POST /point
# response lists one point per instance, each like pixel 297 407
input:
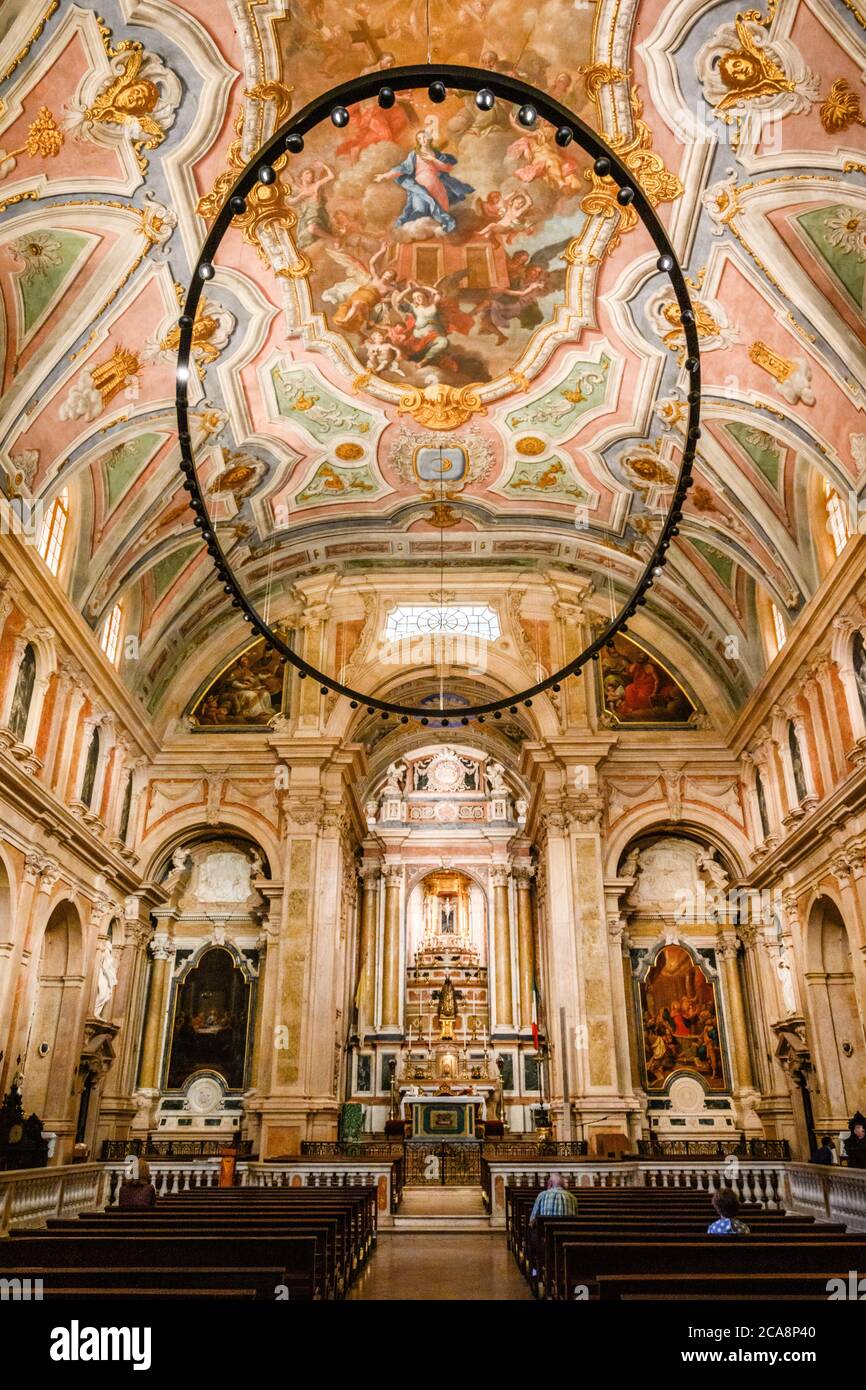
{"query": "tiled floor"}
pixel 441 1267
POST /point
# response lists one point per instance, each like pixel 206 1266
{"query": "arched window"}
pixel 90 766
pixel 837 522
pixel 761 797
pixel 23 693
pixel 780 634
pixel 109 638
pixel 123 828
pixel 797 762
pixel 53 531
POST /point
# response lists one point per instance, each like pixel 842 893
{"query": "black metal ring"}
pixel 520 93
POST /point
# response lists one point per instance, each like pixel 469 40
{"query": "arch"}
pixel 54 1039
pixel 194 831
pixel 835 1014
pixel 7 902
pixel 713 829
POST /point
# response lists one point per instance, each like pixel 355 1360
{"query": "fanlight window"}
pixel 53 531
pixel 779 631
pixel 109 638
pixel 442 620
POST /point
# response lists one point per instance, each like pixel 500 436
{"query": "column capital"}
pixel 162 946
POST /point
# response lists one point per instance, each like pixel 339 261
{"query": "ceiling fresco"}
pixel 437 338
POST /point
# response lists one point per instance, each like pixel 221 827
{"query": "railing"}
pixel 535 1148
pixel 383 1174
pixel 169 1176
pixel 115 1150
pixel 828 1193
pixel 715 1148
pixel 29 1196
pixel 756 1181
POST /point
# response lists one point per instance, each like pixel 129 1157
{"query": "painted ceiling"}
pixel 491 376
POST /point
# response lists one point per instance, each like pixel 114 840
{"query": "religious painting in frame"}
pixel 680 1028
pixel 635 690
pixel 211 1021
pixel 247 694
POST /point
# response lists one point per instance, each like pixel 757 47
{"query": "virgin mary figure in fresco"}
pixel 430 190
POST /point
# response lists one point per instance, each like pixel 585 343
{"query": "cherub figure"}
pixel 380 355
pixel 749 71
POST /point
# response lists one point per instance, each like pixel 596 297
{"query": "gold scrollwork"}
pixel 442 407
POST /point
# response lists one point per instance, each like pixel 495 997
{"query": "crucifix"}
pixel 364 34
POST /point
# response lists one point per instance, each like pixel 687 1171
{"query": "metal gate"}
pixel 443 1165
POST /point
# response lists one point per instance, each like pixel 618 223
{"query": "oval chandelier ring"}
pixel 533 106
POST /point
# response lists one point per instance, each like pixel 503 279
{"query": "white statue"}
pixel 179 861
pixel 631 865
pixel 496 783
pixel 707 864
pixel 370 809
pixel 394 777
pixel 106 980
pixel 786 980
pixel 257 867
pixel 520 809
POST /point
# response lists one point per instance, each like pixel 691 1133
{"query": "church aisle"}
pixel 441 1267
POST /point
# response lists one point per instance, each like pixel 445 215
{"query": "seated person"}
pixel 552 1200
pixel 727 1204
pixel 136 1188
pixel 826 1152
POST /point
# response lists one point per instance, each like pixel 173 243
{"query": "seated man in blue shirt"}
pixel 727 1204
pixel 552 1200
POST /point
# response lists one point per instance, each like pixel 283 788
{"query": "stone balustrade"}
pixel 828 1193
pixel 29 1196
pixel 759 1182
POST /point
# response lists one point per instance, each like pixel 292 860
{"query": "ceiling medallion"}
pixel 530 446
pixel 640 181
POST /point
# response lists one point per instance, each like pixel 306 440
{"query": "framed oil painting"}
pixel 211 1021
pixel 679 1018
pixel 636 690
pixel 247 694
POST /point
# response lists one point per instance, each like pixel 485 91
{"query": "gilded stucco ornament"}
pixel 139 100
pixel 740 68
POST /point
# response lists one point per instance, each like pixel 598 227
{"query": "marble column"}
pixel 367 944
pixel 503 1002
pixel 727 949
pixel 525 941
pixel 393 876
pixel 162 950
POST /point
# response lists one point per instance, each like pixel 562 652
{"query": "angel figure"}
pixel 511 221
pixel 360 295
pixel 529 279
pixel 313 221
pixel 541 160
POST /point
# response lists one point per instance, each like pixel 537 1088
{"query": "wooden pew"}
pixel 294 1255
pixel 584 1262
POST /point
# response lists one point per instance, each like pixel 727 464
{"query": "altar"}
pixel 445 1117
